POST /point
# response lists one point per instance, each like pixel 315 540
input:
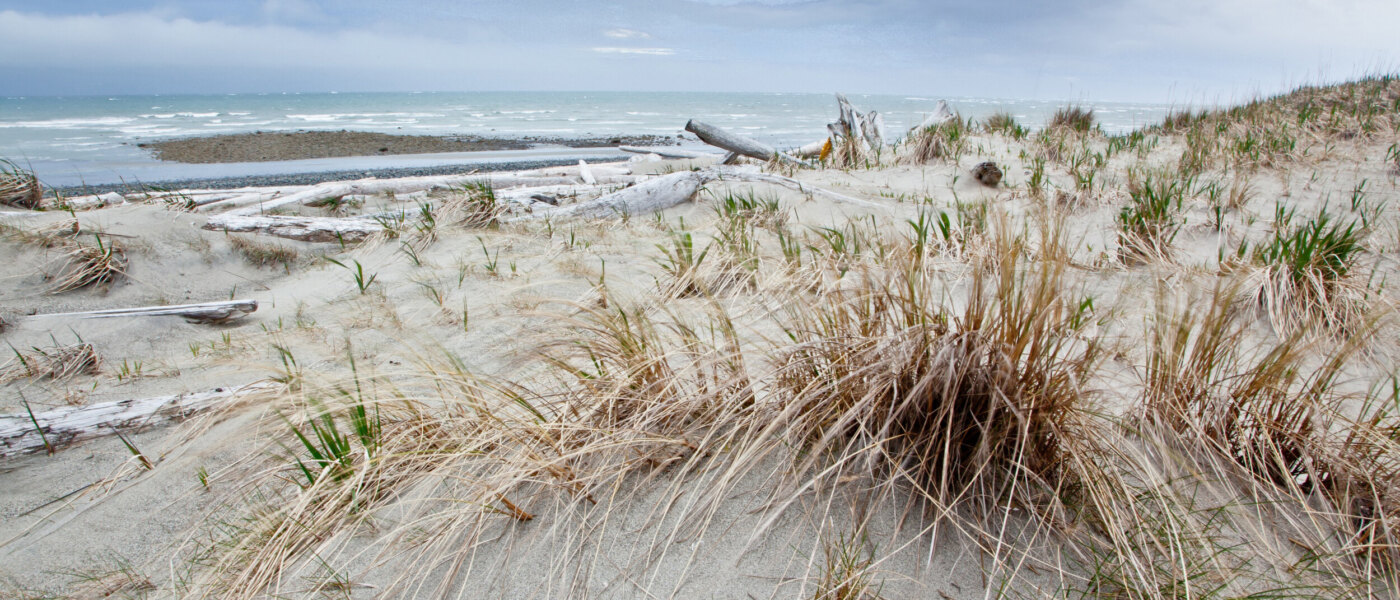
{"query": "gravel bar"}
pixel 315 178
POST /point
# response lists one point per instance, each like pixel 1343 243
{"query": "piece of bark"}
pixel 204 312
pixel 306 229
pixel 66 426
pixel 751 148
pixel 644 198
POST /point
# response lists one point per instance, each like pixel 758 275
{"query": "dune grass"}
pixel 19 187
pixel 265 254
pixel 99 264
pixel 1305 274
pixel 1073 118
pixel 957 369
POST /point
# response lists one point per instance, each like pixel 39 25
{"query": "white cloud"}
pixel 149 40
pixel 627 34
pixel 645 51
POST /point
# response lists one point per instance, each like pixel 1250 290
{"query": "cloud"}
pixel 627 34
pixel 645 51
pixel 292 11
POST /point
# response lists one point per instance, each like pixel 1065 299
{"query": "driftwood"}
pixel 866 129
pixel 738 144
pixel 654 195
pixel 258 202
pixel 204 312
pixel 585 173
pixel 61 427
pixel 811 150
pixel 669 152
pixel 941 114
pixel 306 229
pixel 88 202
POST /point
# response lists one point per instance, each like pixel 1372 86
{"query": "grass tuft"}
pixel 1074 118
pixel 100 264
pixel 1304 271
pixel 59 363
pixel 265 254
pixel 962 406
pixel 19 187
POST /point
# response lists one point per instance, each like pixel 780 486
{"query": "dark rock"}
pixel 988 173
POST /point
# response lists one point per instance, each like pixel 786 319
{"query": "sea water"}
pixel 94 139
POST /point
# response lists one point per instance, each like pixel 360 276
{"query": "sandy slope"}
pixel 493 319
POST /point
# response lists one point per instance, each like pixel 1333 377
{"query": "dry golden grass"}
pixel 59 363
pixel 19 187
pixel 265 254
pixel 102 263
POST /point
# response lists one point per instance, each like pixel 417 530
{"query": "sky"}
pixel 1172 51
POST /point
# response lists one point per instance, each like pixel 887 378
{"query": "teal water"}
pixel 95 137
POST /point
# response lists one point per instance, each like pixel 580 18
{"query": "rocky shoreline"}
pixel 267 146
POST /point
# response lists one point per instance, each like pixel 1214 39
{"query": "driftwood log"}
pixel 204 312
pixel 644 198
pixel 306 229
pixel 258 202
pixel 20 433
pixel 738 144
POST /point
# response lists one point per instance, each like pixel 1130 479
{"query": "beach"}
pixel 871 369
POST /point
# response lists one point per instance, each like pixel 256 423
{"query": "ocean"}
pixel 93 139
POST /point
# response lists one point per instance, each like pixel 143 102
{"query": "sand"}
pixel 485 301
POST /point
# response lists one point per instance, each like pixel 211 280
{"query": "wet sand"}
pixel 266 146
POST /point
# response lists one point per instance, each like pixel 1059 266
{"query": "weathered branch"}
pixel 751 148
pixel 204 312
pixel 654 195
pixel 65 426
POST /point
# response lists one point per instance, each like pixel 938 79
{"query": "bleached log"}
pixel 203 312
pixel 407 185
pixel 673 153
pixel 87 202
pixel 66 426
pixel 941 114
pixel 306 229
pixel 584 173
pixel 811 150
pixel 521 194
pixel 720 138
pixel 644 198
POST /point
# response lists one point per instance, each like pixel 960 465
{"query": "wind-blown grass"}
pixel 1304 272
